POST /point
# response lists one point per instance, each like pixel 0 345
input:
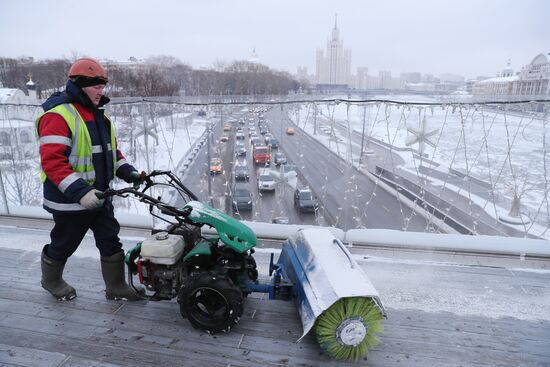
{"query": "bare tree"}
pixel 158 76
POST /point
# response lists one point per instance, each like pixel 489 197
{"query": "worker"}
pixel 79 158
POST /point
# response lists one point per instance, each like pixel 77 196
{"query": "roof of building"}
pixel 10 94
pixel 539 59
pixel 500 79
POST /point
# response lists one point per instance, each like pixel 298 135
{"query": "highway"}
pixel 266 205
pixel 347 198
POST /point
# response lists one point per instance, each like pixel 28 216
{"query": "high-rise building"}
pixel 302 74
pixel 361 80
pixel 333 64
pixel 411 77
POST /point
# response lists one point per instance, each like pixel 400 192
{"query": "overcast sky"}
pixel 466 37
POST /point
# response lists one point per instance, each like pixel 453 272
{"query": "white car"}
pixel 280 158
pixel 266 182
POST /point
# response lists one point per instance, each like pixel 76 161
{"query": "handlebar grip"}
pixel 105 194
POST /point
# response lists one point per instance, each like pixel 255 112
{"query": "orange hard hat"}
pixel 89 68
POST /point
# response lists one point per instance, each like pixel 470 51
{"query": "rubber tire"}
pixel 225 298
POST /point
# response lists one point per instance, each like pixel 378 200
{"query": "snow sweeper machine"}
pixel 211 274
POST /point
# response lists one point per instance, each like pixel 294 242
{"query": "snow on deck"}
pixel 440 313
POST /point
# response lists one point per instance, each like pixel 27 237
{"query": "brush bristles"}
pixel 362 308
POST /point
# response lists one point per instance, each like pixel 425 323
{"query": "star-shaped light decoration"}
pixel 289 178
pixel 421 135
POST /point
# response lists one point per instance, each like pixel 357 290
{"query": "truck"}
pixel 261 154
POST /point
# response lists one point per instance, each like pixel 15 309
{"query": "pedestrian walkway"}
pixel 439 314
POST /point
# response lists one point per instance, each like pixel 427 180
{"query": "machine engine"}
pixel 160 267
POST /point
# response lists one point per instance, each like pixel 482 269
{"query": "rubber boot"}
pixel 112 269
pixel 52 278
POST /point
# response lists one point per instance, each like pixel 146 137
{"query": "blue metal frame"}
pixel 280 280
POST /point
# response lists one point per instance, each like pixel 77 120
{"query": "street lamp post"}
pixel 363 135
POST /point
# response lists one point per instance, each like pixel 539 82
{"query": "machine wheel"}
pixel 211 302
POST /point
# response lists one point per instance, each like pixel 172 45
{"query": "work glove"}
pixel 91 201
pixel 137 178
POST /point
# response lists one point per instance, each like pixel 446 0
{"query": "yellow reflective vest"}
pixel 80 157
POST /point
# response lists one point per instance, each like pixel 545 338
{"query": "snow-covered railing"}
pixel 491 156
pixel 373 238
pixel 363 238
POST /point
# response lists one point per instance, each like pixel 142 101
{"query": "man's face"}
pixel 95 92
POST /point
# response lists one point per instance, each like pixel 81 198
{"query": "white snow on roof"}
pixel 502 79
pixel 7 94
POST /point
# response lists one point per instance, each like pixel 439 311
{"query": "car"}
pixel 224 138
pixel 266 182
pixel 216 166
pixel 226 127
pixel 241 172
pixel 240 149
pixel 241 197
pixel 263 129
pixel 273 143
pixel 287 168
pixel 280 220
pixel 290 131
pixel 255 140
pixel 305 201
pixel 279 158
pixel 267 138
pixel 239 135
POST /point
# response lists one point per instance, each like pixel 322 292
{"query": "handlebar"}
pixel 163 207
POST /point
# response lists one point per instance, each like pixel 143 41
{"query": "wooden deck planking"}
pixel 36 330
